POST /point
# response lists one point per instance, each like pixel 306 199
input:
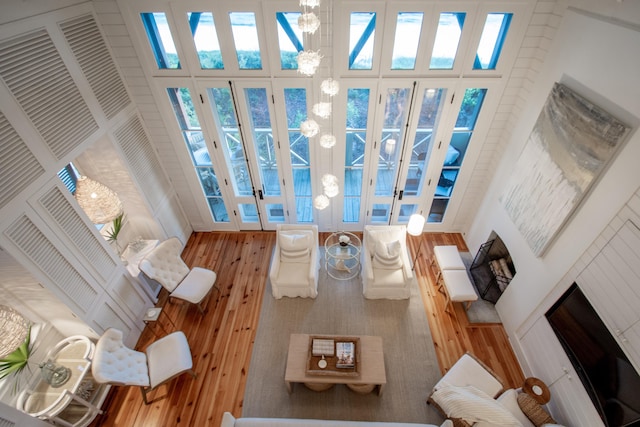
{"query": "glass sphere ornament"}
pixel 331 190
pixel 309 128
pixel 322 109
pixel 328 179
pixel 321 202
pixel 330 87
pixel 53 374
pixel 308 62
pixel 327 140
pixel 309 3
pixel 308 23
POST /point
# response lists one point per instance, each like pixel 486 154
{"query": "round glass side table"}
pixel 342 255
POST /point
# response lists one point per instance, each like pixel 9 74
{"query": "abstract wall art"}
pixel 570 144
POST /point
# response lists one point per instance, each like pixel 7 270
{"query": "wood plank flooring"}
pixel 221 341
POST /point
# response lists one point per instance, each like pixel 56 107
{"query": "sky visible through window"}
pixel 445 46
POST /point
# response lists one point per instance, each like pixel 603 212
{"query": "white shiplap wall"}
pixel 539 34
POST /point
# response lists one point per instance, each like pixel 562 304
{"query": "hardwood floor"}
pixel 221 341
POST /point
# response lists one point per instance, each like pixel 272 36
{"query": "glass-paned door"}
pixel 357 116
pixel 228 139
pixel 265 158
pixel 470 108
pixel 427 114
pixel 187 119
pixel 295 102
pixel 388 148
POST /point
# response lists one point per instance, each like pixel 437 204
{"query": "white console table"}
pixel 65 405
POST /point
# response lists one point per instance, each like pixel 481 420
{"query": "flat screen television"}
pixel 611 381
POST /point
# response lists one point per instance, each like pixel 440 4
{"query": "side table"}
pixel 342 257
pixel 537 389
pixel 153 314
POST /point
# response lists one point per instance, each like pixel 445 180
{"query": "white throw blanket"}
pixel 473 405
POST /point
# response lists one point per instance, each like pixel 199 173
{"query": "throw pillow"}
pixel 387 255
pixel 300 257
pixel 533 410
pixel 472 404
pixel 294 241
pixel 509 399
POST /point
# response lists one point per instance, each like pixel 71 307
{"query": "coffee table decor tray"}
pixel 334 365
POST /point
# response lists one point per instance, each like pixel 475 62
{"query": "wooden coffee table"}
pixel 371 364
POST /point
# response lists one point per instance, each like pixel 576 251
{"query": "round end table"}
pixel 537 389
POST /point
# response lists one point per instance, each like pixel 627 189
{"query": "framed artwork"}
pixel 570 145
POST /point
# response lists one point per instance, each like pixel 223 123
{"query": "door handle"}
pixel 260 195
pixel 401 193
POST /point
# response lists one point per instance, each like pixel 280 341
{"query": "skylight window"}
pixel 203 31
pixel 447 40
pixel 289 39
pixel 407 39
pixel 160 39
pixel 245 38
pixel 362 29
pixel 493 36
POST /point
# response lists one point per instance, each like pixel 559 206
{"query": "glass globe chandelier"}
pixel 328 179
pixel 308 22
pixel 321 202
pixel 322 109
pixel 331 190
pixel 330 87
pixel 308 62
pixel 309 128
pixel 327 140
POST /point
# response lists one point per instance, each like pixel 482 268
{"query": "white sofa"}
pixel 386 268
pixel 229 420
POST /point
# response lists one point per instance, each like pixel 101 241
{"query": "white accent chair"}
pixel 165 265
pixel 295 262
pixel 163 360
pixel 386 268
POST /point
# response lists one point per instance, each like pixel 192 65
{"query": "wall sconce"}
pixel 99 202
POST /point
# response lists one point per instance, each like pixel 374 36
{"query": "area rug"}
pixel 480 311
pixel 341 309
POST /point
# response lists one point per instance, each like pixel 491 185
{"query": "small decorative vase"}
pixel 54 374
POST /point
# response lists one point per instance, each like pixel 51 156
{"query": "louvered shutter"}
pixel 70 222
pixel 143 162
pixel 35 245
pixel 38 78
pixel 88 46
pixel 18 166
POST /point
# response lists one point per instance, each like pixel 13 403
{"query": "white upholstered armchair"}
pixel 386 268
pixel 162 360
pixel 165 265
pixel 295 262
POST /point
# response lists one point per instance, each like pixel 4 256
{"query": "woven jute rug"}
pixel 341 309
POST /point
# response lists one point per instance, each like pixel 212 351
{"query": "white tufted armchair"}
pixel 163 360
pixel 165 266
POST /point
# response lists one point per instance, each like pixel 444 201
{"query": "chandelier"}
pixel 309 128
pixel 327 140
pixel 322 109
pixel 330 87
pixel 99 202
pixel 308 62
pixel 308 23
pixel 13 330
pixel 321 202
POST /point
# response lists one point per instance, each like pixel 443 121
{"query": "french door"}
pixel 406 141
pixel 251 161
